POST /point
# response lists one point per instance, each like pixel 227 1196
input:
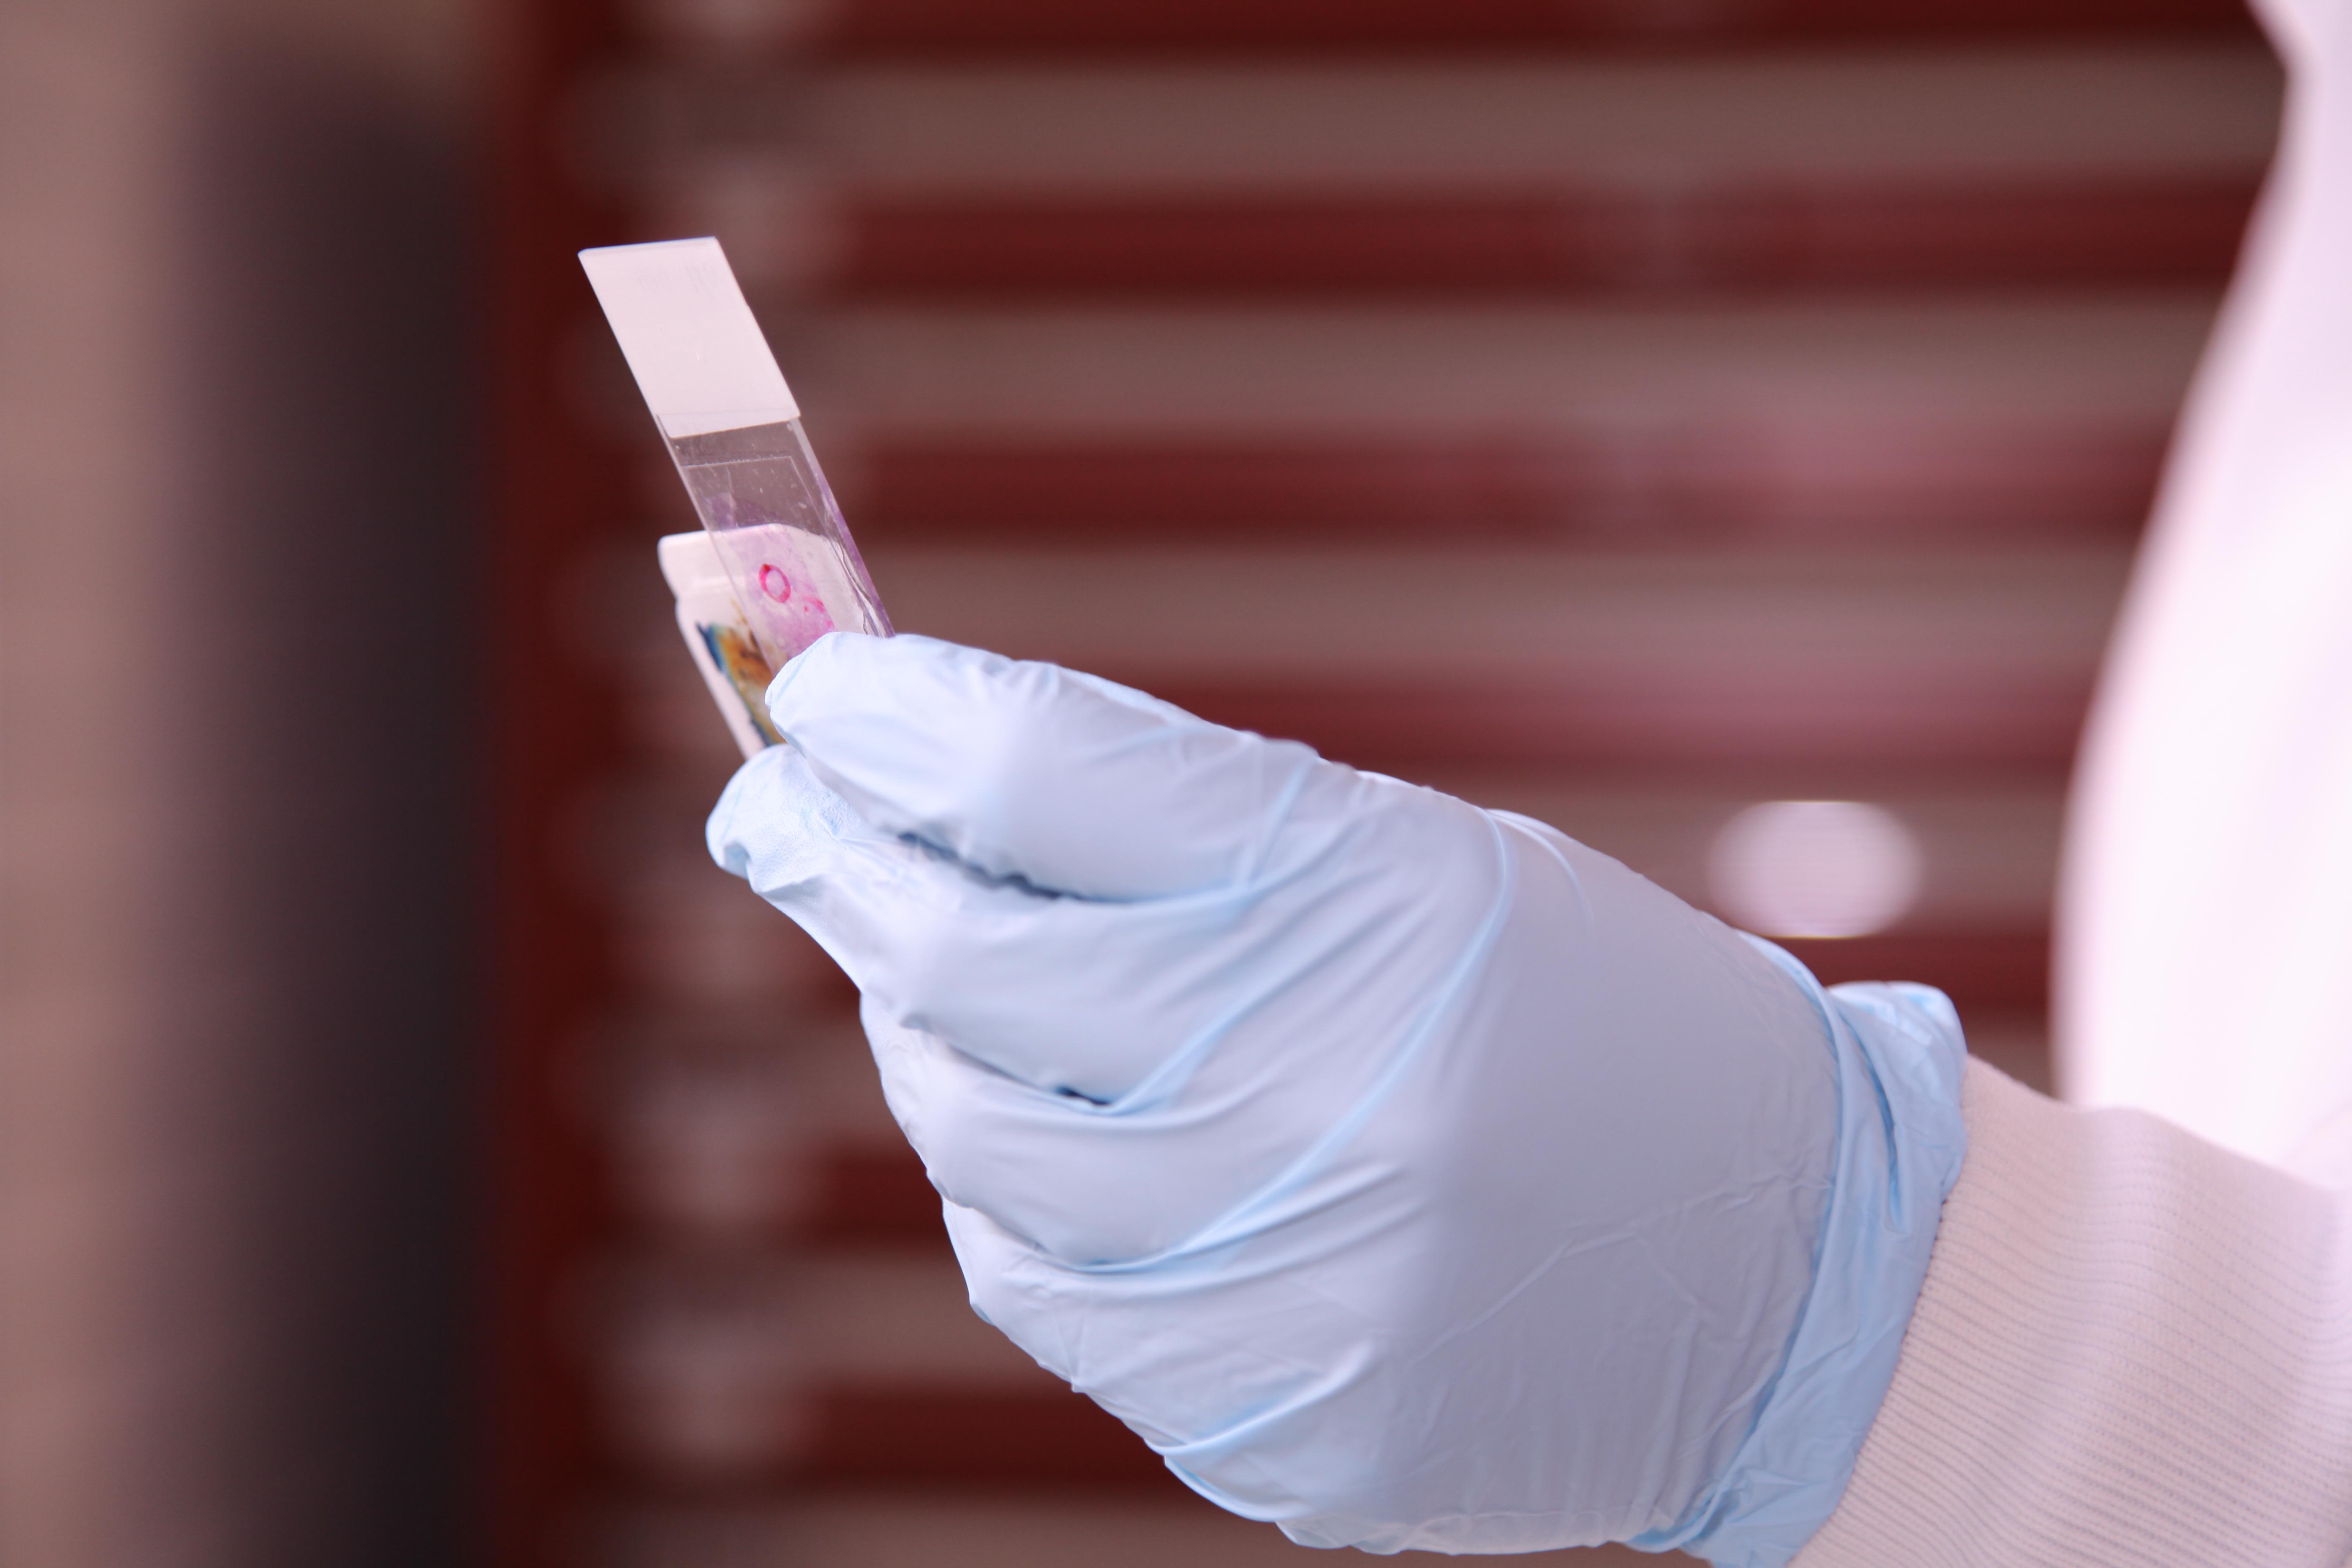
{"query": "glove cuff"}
pixel 2132 1348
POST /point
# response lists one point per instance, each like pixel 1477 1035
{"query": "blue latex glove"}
pixel 1404 1173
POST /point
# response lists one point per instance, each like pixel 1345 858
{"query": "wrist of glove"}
pixel 1405 1174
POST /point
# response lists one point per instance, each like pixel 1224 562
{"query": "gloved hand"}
pixel 1404 1173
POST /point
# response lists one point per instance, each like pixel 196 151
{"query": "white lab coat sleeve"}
pixel 2205 909
pixel 2133 1348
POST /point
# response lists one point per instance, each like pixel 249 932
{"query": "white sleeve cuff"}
pixel 2132 1349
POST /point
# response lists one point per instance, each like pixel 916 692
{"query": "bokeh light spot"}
pixel 1815 867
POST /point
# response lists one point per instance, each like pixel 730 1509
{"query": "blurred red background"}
pixel 1632 413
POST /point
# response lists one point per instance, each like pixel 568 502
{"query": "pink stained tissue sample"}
pixel 797 579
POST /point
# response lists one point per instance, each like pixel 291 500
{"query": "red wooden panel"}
pixel 974 1437
pixel 552 723
pixel 861 1195
pixel 1731 239
pixel 1992 970
pixel 1064 26
pixel 1700 482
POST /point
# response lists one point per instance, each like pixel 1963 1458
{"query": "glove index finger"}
pixel 1029 770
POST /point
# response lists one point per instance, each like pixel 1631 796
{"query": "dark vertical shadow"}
pixel 318 900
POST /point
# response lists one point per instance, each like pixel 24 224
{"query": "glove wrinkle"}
pixel 982 755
